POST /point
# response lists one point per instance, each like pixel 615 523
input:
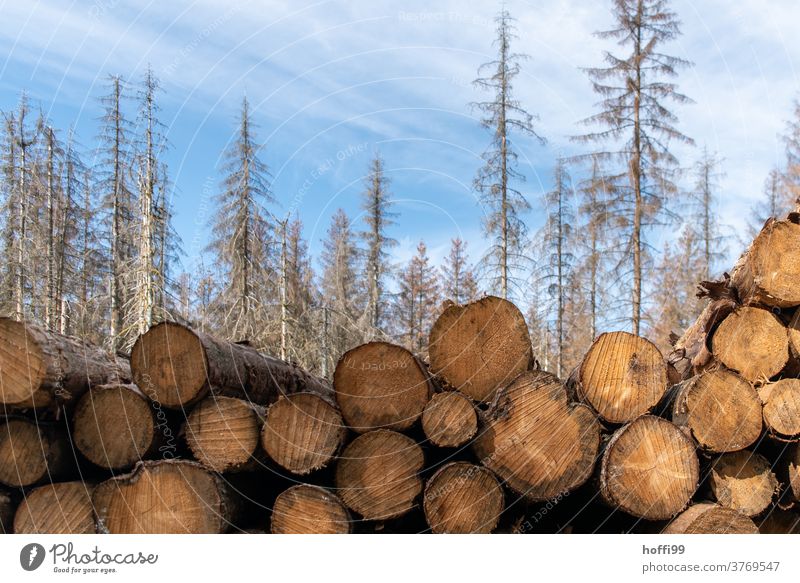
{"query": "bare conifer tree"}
pixel 417 301
pixel 704 216
pixel 458 283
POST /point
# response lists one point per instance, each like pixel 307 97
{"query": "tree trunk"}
pixel 64 508
pixel 30 453
pixel 743 481
pixel 177 367
pixel 479 347
pixel 223 433
pixel 305 509
pixel 782 409
pixel 381 385
pixel 40 368
pixel 449 419
pixel 7 510
pixel 541 459
pixel 621 377
pixel 378 474
pixel 114 426
pixel 708 518
pixel 752 342
pixel 302 432
pixel 720 409
pixel 649 469
pixel 164 497
pixel 462 498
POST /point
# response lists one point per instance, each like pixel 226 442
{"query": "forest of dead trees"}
pixel 89 250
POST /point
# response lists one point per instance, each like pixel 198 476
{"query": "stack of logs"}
pixel 200 435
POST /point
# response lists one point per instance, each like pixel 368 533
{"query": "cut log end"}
pixel 29 454
pixel 22 366
pixel 479 347
pixel 63 508
pixel 449 419
pixel 302 432
pixel 782 408
pixel 546 457
pixel 649 469
pixel 378 474
pixel 223 433
pixel 708 518
pixel 7 509
pixel 462 498
pixel 752 342
pixel 305 509
pixel 622 376
pixel 743 481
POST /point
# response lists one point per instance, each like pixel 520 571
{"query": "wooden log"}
pixel 306 509
pixel 164 497
pixel 781 411
pixel 691 353
pixel 538 443
pixel 707 518
pixel 63 508
pixel 743 481
pixel 31 452
pixel 462 498
pixel 720 410
pixel 649 469
pixel 793 470
pixel 177 367
pixel 768 273
pixel 7 510
pixel 753 342
pixel 223 433
pixel 479 347
pixel 621 377
pixel 302 432
pixel 39 368
pixel 779 521
pixel 114 426
pixel 377 475
pixel 449 419
pixel 381 385
pixel 794 335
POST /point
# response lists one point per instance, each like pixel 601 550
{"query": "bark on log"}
pixel 305 509
pixel 753 342
pixel 793 468
pixel 7 510
pixel 177 367
pixel 622 376
pixel 381 385
pixel 40 368
pixel 794 335
pixel 462 498
pixel 480 347
pixel 114 426
pixel 30 453
pixel 223 433
pixel 743 481
pixel 302 433
pixel 536 442
pixel 779 521
pixel 649 469
pixel 377 475
pixel 63 508
pixel 164 497
pixel 720 409
pixel 708 518
pixel 449 419
pixel 692 351
pixel 781 401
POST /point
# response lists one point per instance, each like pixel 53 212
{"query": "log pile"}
pixel 202 435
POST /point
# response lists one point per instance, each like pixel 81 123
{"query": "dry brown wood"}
pixel 538 443
pixel 39 368
pixel 377 475
pixel 177 366
pixel 621 377
pixel 449 419
pixel 778 521
pixel 462 498
pixel 164 497
pixel 743 481
pixel 302 432
pixel 7 510
pixel 649 469
pixel 720 409
pixel 479 347
pixel 223 433
pixel 794 335
pixel 692 351
pixel 31 452
pixel 708 518
pixel 381 385
pixel 306 509
pixel 114 426
pixel 782 408
pixel 753 342
pixel 793 470
pixel 62 508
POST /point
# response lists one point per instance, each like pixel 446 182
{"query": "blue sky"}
pixel 331 81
